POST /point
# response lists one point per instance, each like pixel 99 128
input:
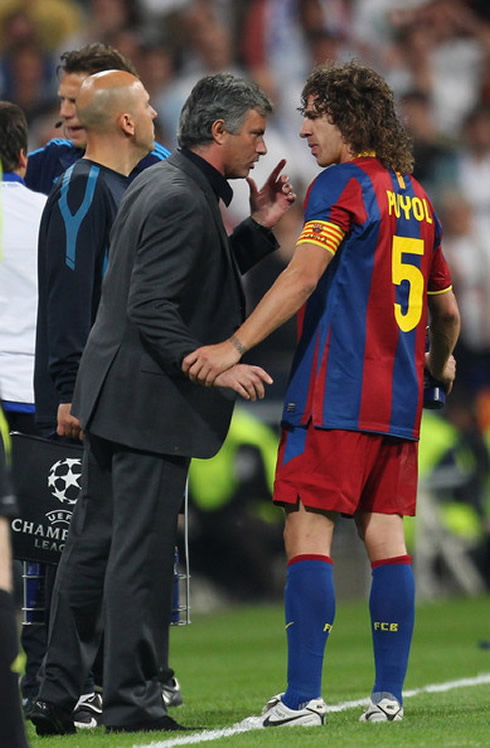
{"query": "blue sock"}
pixel 392 608
pixel 310 609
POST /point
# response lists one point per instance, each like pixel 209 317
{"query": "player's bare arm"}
pixel 286 296
pixel 444 332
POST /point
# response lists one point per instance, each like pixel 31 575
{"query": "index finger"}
pixel 275 172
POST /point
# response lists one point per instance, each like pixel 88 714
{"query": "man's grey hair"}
pixel 221 96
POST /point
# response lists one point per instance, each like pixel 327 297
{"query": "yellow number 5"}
pixel 401 271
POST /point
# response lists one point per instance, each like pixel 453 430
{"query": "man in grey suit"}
pixel 172 284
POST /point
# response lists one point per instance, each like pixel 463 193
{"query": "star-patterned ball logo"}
pixel 64 479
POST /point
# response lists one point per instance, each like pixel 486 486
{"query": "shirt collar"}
pixel 218 183
pixel 10 176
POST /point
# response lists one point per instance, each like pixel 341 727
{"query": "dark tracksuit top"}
pixel 72 254
pixel 44 167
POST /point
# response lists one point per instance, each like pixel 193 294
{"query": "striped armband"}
pixel 323 233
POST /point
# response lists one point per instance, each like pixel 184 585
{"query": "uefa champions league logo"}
pixel 41 532
pixel 64 480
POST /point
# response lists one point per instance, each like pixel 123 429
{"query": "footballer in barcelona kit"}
pixel 356 372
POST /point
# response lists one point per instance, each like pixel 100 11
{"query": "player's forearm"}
pixel 288 294
pixel 444 331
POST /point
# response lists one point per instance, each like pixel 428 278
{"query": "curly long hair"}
pixel 361 104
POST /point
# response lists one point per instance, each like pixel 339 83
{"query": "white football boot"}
pixel 276 714
pixel 383 707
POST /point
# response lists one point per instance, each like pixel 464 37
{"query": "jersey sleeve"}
pixel 440 275
pixel 45 164
pixel 333 203
pixel 37 164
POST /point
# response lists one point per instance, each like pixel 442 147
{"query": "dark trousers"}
pixel 119 553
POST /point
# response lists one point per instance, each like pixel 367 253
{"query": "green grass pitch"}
pixel 229 663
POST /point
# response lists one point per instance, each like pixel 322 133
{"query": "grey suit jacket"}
pixel 172 284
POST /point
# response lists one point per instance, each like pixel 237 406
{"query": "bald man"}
pixel 115 110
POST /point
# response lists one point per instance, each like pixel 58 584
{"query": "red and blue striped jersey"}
pixel 360 355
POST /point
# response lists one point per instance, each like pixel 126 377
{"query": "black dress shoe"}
pixel 162 723
pixel 50 719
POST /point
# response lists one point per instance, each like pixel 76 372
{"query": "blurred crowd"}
pixel 435 54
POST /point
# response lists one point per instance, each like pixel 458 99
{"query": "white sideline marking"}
pixel 207 735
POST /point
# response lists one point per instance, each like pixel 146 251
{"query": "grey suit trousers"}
pixel 116 574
